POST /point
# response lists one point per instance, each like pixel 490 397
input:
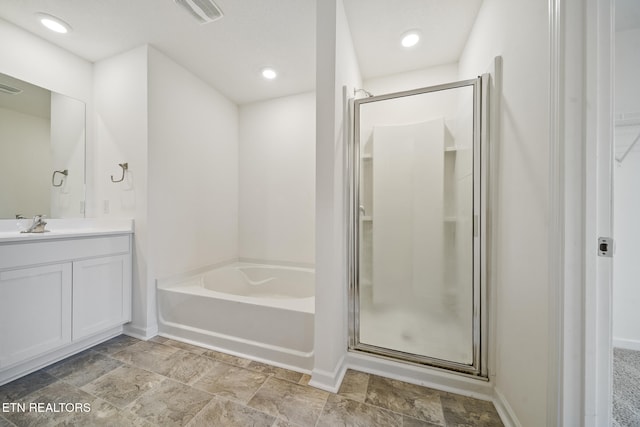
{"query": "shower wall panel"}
pixel 408 204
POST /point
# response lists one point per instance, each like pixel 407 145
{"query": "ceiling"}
pixel 229 53
pixel 377 27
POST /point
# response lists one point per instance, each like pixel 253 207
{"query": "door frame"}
pixel 581 162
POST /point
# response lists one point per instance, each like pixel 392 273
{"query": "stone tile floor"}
pixel 128 382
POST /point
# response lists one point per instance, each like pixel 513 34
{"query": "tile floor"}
pixel 128 382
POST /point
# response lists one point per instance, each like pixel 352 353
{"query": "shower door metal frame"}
pixel 478 367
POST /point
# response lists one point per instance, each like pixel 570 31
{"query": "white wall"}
pixel 24 191
pixel 32 59
pixel 413 79
pixel 518 31
pixel 193 171
pixel 627 65
pixel 277 179
pixel 179 137
pixel 626 292
pixel 68 153
pixel 120 87
pixel 337 66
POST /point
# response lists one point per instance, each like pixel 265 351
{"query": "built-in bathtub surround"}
pixel 263 312
pixel 276 175
pixel 61 291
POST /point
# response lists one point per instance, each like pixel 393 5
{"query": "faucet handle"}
pixel 20 216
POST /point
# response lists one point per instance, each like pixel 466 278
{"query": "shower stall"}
pixel 418 168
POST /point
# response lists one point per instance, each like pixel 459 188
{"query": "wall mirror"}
pixel 42 152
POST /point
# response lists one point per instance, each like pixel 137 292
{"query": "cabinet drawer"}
pixel 33 252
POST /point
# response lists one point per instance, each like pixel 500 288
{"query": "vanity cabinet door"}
pixel 101 294
pixel 35 311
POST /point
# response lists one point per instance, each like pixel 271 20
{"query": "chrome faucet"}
pixel 37 226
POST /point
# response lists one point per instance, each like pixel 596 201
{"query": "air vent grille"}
pixel 9 89
pixel 204 11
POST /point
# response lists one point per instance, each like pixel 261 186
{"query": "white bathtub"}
pixel 264 312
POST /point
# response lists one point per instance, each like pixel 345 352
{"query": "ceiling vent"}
pixel 9 89
pixel 204 11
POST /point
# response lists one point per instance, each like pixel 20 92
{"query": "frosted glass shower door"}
pixel 415 288
pixel 407 234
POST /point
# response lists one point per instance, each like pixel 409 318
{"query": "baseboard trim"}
pixel 507 415
pixel 140 332
pixel 235 353
pixel 421 375
pixel 626 344
pixel 31 365
pixel 248 349
pixel 329 381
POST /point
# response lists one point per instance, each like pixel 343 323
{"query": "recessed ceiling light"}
pixel 410 38
pixel 53 23
pixel 269 73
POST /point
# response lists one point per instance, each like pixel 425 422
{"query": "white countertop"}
pixel 65 228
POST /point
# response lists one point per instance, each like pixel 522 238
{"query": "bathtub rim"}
pixel 302 305
pixel 192 283
pixel 175 279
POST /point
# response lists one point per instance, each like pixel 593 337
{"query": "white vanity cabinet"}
pixel 35 311
pixel 60 295
pixel 101 294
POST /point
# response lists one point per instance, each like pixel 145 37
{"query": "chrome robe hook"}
pixel 125 167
